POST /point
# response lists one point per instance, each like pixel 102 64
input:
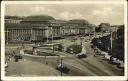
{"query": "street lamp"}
pixel 52 40
pixel 61 66
pixel 81 40
pixel 7 36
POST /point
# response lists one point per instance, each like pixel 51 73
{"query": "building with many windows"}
pixel 41 28
pixel 13 19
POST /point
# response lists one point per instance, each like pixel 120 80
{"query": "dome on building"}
pixel 39 18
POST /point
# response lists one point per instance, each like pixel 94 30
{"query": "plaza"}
pixel 45 66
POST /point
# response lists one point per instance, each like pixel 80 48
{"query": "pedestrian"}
pixel 94 55
pixel 6 64
pixel 46 62
pixel 16 59
pixel 9 58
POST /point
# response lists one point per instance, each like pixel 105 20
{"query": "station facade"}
pixel 38 30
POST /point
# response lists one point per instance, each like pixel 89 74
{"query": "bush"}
pixel 59 48
pixel 75 48
pixel 28 52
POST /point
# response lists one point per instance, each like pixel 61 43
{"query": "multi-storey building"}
pixel 38 29
pixel 13 19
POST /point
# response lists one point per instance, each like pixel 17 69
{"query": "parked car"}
pixel 81 55
pixel 18 56
pixel 103 53
pixel 86 41
pixel 121 65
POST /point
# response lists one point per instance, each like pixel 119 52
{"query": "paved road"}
pixel 89 66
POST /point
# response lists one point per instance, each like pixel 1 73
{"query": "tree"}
pixel 118 46
pixel 98 29
pixel 104 27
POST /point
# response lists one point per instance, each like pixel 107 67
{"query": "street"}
pixel 39 66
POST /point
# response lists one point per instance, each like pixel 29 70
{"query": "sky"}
pixel 94 13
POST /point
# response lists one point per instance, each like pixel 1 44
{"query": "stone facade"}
pixel 29 31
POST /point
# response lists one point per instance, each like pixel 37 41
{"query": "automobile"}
pixel 17 56
pixel 86 41
pixel 92 46
pixel 81 55
pixel 98 51
pixel 121 65
pixel 71 51
pixel 107 57
pixel 99 35
pixel 63 68
pixel 103 53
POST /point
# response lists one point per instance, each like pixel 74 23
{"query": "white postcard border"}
pixel 60 78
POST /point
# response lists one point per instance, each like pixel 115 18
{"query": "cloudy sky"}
pixel 94 13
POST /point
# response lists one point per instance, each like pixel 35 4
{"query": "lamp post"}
pixel 7 36
pixel 61 67
pixel 81 40
pixel 47 34
pixel 52 40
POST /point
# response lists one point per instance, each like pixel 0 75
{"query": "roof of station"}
pixel 39 18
